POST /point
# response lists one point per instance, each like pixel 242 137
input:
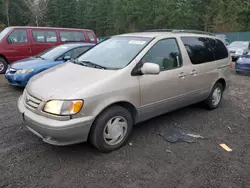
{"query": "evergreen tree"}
pixel 109 17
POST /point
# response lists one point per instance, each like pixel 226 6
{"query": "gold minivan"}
pixel 122 81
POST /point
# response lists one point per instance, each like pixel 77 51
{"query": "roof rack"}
pixel 179 31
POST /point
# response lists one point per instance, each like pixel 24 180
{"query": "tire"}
pixel 3 65
pixel 211 105
pixel 100 129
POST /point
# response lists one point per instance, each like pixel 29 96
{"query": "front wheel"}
pixel 3 65
pixel 111 129
pixel 215 97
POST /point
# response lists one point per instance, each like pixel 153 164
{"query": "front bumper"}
pixel 242 70
pixel 242 67
pixel 18 79
pixel 53 131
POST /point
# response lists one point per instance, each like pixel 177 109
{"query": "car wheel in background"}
pixel 3 65
pixel 111 129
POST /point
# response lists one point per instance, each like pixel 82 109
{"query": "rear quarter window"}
pixel 199 49
pixel 219 49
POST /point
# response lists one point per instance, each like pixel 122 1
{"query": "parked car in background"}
pixel 21 42
pixel 19 73
pixel 242 65
pixel 238 48
pixel 223 37
pixel 122 81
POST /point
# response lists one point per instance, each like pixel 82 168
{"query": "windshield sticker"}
pixel 138 42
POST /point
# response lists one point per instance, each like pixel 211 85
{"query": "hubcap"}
pixel 115 130
pixel 216 96
pixel 1 66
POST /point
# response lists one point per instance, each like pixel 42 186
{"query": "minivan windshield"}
pixel 4 32
pixel 239 44
pixel 53 53
pixel 116 52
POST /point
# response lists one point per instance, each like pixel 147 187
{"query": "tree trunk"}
pixel 7 12
pixel 36 20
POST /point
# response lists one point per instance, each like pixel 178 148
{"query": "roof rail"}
pixel 179 31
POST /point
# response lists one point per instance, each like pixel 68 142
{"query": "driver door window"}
pixel 78 51
pixel 165 53
pixel 18 36
pixel 74 53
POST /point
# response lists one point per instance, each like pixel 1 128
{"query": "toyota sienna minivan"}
pixel 122 81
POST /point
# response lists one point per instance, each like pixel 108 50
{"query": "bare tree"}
pixel 37 8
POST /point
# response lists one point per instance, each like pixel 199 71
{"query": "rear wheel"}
pixel 215 97
pixel 3 65
pixel 111 129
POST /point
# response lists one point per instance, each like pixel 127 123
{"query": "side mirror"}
pixel 66 58
pixel 9 40
pixel 150 68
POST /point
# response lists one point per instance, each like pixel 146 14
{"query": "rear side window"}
pixel 44 36
pixel 72 36
pixel 18 36
pixel 219 49
pixel 199 49
pixel 91 36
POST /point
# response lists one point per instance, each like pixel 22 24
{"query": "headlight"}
pixel 64 108
pixel 239 52
pixel 23 71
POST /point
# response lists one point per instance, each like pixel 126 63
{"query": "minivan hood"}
pixel 62 81
pixel 30 63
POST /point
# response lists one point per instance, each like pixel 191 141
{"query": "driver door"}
pixel 18 45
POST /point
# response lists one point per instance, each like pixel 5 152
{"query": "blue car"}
pixel 243 64
pixel 19 73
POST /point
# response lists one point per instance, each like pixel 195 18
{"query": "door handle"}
pixel 193 73
pixel 182 75
pixel 29 49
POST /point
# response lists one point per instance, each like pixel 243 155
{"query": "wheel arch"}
pixel 223 83
pixel 2 56
pixel 125 104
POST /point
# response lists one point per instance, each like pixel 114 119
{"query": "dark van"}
pixel 21 42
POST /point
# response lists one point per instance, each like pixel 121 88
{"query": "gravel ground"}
pixel 148 161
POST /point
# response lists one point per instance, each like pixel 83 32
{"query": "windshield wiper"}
pixel 39 57
pixel 89 63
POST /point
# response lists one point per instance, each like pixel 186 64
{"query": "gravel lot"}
pixel 25 161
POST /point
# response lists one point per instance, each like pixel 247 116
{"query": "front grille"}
pixel 231 51
pixel 31 101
